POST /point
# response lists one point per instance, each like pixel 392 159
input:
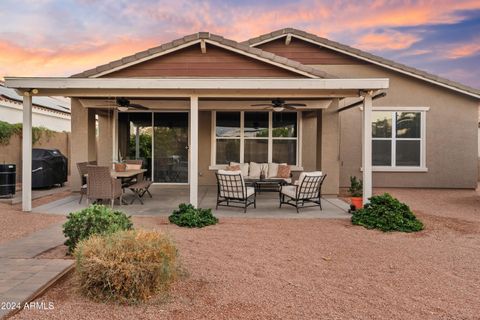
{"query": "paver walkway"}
pixel 21 274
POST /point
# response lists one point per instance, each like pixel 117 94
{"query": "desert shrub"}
pixel 387 214
pixel 126 267
pixel 188 216
pixel 96 219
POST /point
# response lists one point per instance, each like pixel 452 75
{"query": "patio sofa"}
pixel 253 170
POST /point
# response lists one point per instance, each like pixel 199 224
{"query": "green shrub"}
pixel 126 266
pixel 96 219
pixel 188 216
pixel 387 214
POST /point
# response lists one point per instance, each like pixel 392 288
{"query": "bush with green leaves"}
pixel 386 213
pixel 188 216
pixel 96 219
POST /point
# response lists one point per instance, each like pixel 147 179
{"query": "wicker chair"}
pixel 307 190
pixel 231 190
pixel 140 185
pixel 82 170
pixel 102 186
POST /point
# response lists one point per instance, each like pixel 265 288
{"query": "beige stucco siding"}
pixel 451 132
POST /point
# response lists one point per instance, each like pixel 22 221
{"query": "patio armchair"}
pixel 102 186
pixel 308 189
pixel 140 184
pixel 82 170
pixel 232 192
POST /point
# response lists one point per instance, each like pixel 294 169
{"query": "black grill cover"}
pixel 49 168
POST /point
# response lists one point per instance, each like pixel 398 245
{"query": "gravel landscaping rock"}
pixel 312 269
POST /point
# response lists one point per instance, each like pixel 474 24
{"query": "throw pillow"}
pixel 243 167
pixel 283 171
pixel 273 169
pixel 233 168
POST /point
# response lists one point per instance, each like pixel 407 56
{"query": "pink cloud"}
pixel 463 50
pixel 392 40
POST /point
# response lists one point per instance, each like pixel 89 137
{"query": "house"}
pixel 51 113
pixel 190 106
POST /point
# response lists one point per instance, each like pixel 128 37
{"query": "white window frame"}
pixel 423 140
pixel 213 157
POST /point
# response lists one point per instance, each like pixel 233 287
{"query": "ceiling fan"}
pixel 124 104
pixel 278 105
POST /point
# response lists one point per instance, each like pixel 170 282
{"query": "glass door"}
pixel 170 147
pixel 135 137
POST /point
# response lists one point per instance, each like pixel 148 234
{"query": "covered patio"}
pixel 199 94
pixel 166 198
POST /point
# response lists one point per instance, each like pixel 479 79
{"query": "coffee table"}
pixel 266 184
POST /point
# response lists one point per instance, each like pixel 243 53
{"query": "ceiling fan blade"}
pixel 295 105
pixel 137 106
pixel 261 105
pixel 289 107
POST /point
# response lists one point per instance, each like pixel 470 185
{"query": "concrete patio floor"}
pixel 167 198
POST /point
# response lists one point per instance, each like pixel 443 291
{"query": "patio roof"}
pixel 186 87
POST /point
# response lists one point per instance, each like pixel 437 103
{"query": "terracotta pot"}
pixel 357 202
pixel 120 167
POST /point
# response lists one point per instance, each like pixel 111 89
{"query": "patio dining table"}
pixel 126 176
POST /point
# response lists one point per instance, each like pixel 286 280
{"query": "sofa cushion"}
pixel 257 168
pixel 243 167
pixel 289 191
pixel 304 174
pixel 273 169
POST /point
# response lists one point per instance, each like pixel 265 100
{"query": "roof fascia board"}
pixel 370 61
pixel 40 83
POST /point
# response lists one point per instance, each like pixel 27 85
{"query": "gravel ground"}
pixel 313 269
pixel 15 224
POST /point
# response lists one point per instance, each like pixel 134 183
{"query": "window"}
pixel 257 136
pixel 398 139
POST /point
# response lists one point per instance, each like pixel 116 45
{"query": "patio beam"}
pixel 193 163
pixel 42 83
pixel 367 145
pixel 27 153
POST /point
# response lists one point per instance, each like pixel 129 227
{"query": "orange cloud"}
pixel 463 50
pixel 18 61
pixel 386 41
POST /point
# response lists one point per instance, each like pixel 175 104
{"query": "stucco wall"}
pixel 12 152
pixel 451 132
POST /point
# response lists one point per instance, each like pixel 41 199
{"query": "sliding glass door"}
pixel 170 141
pixel 160 139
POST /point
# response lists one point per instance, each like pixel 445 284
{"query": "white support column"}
pixel 27 153
pixel 115 137
pixel 367 146
pixel 193 150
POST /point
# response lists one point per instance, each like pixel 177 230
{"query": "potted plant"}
pixel 120 166
pixel 356 192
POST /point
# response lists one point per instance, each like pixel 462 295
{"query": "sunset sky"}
pixel 62 37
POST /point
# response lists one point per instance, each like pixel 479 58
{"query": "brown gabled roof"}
pixel 362 55
pixel 233 45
